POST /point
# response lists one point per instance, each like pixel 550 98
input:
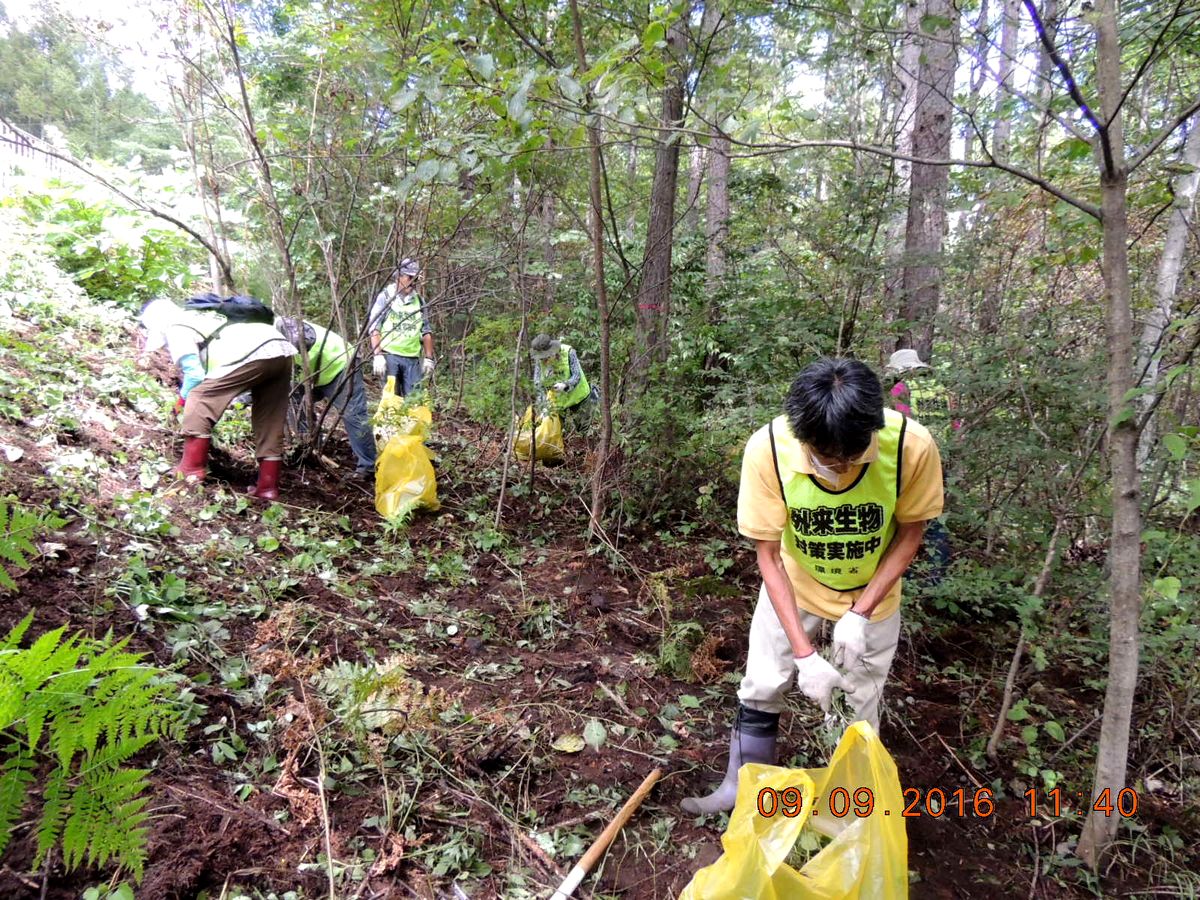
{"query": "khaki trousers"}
pixel 267 380
pixel 770 669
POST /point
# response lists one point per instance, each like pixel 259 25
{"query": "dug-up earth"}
pixel 440 709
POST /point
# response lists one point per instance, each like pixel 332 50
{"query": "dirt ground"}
pixel 520 681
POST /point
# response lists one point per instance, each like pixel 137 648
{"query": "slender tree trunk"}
pixel 691 213
pixel 1125 551
pixel 906 79
pixel 1169 266
pixel 654 291
pixel 1008 51
pixel 716 217
pixel 548 219
pixel 596 514
pixel 979 71
pixel 926 225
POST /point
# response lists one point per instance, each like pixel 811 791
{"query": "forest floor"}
pixel 380 711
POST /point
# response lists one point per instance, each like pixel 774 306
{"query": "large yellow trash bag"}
pixel 547 437
pixel 395 415
pixel 858 804
pixel 404 477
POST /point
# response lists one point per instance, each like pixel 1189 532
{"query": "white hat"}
pixel 156 317
pixel 903 360
pixel 408 267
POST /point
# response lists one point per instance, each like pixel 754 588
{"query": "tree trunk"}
pixel 906 78
pixel 716 216
pixel 548 219
pixel 1169 267
pixel 596 514
pixel 691 213
pixel 1008 51
pixel 926 225
pixel 654 291
pixel 979 72
pixel 1125 551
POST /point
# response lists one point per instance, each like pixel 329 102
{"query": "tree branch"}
pixel 1167 130
pixel 1110 165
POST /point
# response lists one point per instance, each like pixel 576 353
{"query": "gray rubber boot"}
pixel 752 740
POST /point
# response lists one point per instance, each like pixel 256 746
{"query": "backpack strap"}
pixel 775 460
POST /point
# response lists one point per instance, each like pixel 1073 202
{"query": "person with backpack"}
pixel 835 493
pixel 337 379
pixel 223 348
pixel 401 336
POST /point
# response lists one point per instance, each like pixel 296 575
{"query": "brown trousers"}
pixel 267 380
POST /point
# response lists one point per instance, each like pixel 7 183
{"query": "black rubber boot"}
pixel 752 740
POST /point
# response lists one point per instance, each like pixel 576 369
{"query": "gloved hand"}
pixel 849 640
pixel 427 365
pixel 193 374
pixel 560 386
pixel 816 679
pixel 379 365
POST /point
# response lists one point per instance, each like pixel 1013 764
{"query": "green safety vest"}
pixel 839 537
pixel 927 399
pixel 402 326
pixel 562 372
pixel 327 358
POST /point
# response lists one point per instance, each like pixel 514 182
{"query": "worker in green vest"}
pixel 221 359
pixel 556 363
pixel 401 336
pixel 919 393
pixel 835 494
pixel 334 378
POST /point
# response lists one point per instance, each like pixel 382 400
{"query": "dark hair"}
pixel 834 406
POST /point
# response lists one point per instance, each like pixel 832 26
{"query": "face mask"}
pixel 825 473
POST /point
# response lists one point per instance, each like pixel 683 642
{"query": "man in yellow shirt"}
pixel 835 494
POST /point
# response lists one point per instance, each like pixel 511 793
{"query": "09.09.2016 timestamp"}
pixel 935 802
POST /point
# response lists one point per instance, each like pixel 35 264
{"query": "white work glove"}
pixel 379 365
pixel 849 640
pixel 560 386
pixel 816 679
pixel 427 365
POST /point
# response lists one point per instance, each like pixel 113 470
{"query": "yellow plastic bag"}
pixel 404 477
pixel 395 415
pixel 547 437
pixel 867 856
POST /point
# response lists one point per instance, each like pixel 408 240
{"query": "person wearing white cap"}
pixel 919 393
pixel 573 395
pixel 401 336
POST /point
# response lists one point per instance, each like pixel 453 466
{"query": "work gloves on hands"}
pixel 849 640
pixel 379 365
pixel 427 366
pixel 816 679
pixel 193 374
pixel 560 386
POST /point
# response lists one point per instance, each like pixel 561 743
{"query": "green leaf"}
pixel 1193 502
pixel 1176 445
pixel 1055 730
pixel 1018 713
pixel 934 24
pixel 1169 587
pixel 1029 734
pixel 654 33
pixel 268 543
pixel 484 64
pixel 571 89
pixel 594 734
pixel 688 701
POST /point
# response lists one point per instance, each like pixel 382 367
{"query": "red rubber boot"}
pixel 195 456
pixel 268 480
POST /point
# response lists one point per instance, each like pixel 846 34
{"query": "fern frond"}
pixel 15 777
pixel 13 638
